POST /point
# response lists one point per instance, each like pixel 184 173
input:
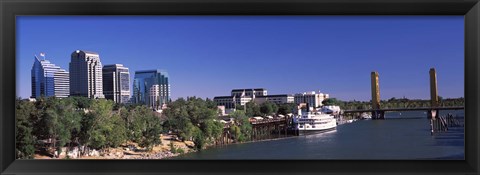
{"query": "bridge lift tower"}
pixel 376 113
pixel 433 94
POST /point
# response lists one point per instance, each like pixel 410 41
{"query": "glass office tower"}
pixel 143 82
pixel 49 80
pixel 116 83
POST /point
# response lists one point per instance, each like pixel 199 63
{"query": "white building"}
pixel 154 96
pixel 62 85
pixel 253 93
pixel 312 98
pixel 243 96
pixel 239 97
pixel 86 74
pixel 277 99
pixel 231 101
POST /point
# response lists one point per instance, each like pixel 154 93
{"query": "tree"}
pixel 391 99
pixel 100 124
pixel 61 120
pixel 210 103
pixel 236 132
pixel 146 127
pixel 252 109
pixel 212 130
pixel 240 107
pixel 274 108
pixel 267 108
pixel 217 130
pixel 81 102
pixel 190 118
pixel 331 102
pixel 286 108
pixel 243 125
pixel 40 127
pixel 116 130
pixel 24 137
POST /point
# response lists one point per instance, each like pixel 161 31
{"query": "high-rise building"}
pixel 49 80
pixel 143 82
pixel 116 83
pixel 86 74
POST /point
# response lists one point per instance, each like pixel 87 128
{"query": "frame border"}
pixel 9 9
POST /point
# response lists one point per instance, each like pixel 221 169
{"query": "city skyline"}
pixel 208 56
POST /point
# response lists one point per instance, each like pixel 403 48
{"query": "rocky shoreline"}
pixel 127 151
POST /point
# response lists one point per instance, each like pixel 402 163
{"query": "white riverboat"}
pixel 314 122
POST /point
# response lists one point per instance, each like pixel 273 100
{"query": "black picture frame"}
pixel 9 9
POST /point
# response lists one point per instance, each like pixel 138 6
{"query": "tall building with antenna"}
pixel 48 79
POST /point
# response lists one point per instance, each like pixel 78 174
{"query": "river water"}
pixel 402 135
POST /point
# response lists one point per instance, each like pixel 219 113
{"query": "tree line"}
pixel 51 123
pixel 394 103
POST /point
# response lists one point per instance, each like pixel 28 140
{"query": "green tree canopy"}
pixel 268 108
pixel 25 140
pixel 286 108
pixel 62 120
pixel 331 102
pixel 252 109
pixel 100 124
pixel 146 127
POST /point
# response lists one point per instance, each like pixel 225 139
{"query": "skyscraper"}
pixel 49 80
pixel 143 82
pixel 86 74
pixel 116 83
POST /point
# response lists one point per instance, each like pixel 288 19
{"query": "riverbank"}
pixel 131 150
pixel 275 137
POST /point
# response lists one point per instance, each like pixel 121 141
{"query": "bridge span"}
pixel 407 109
pixel 379 113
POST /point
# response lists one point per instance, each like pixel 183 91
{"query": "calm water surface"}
pixel 404 135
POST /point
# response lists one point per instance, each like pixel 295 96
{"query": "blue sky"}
pixel 207 56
